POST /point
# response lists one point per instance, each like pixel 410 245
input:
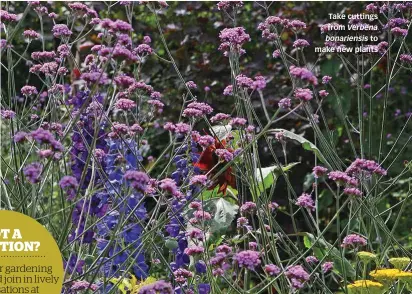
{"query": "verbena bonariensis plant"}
pixel 213 206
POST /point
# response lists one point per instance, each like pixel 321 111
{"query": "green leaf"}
pixel 239 239
pixel 171 244
pixel 209 194
pixel 124 285
pixel 214 241
pixel 325 199
pixel 330 67
pixel 306 144
pixel 322 247
pixel 224 214
pixel 267 176
pixel 307 242
pixel 308 182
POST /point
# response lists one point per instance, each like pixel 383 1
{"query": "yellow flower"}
pixel 125 285
pixel 406 277
pixel 400 262
pixel 365 256
pixel 138 286
pixel 365 287
pixel 387 275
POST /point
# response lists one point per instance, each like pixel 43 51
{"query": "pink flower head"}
pixel 169 126
pixel 272 270
pixel 69 184
pixel 244 82
pixel 234 36
pixel 196 233
pixel 192 112
pixel 326 80
pixel 195 205
pixel 297 276
pixel 124 81
pixel 238 121
pixel 78 7
pixel 219 117
pixel 323 93
pixel 354 240
pixel 300 43
pixel 156 104
pixel 242 221
pixel 296 25
pixel 170 186
pixel 99 154
pixel 181 275
pixel 342 178
pixel 182 128
pixel 228 91
pixel 46 153
pixel 125 104
pixel 225 5
pixel 198 180
pixel 248 259
pixel 29 90
pixel 352 192
pixel 135 128
pixel 303 94
pixel 304 74
pixel 158 286
pixel 285 103
pixel 6 17
pixel 147 40
pixel 248 207
pixel 138 180
pixel 259 83
pixel 144 49
pixel 121 26
pixel 20 137
pixel 276 53
pixel 371 8
pixel 226 249
pixel 61 30
pixel 197 109
pixel 32 172
pixel 224 154
pixel 407 58
pixel 31 35
pixel 78 286
pixel 305 201
pixel 327 267
pixel 365 166
pixel 49 68
pixel 194 250
pixel 273 206
pixel 155 95
pixel 206 141
pixel 319 171
pixel 43 55
pixel 191 85
pixel 311 259
pixel 397 31
pixel 202 215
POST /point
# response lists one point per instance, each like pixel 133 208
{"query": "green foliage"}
pixel 324 250
pixel 306 144
pixel 267 176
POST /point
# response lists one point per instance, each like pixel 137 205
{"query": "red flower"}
pixel 207 162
